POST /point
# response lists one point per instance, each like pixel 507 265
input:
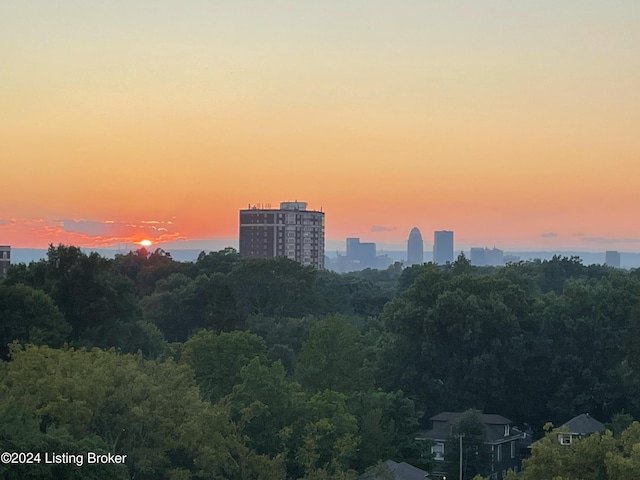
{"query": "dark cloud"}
pixel 382 228
pixel 548 235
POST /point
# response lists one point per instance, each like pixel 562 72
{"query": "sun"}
pixel 145 243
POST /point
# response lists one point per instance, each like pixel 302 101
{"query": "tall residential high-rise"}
pixel 289 231
pixel 612 258
pixel 442 246
pixel 5 259
pixel 415 247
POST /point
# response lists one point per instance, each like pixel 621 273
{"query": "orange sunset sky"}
pixel 513 123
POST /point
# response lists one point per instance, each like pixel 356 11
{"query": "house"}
pixel 504 444
pixel 391 470
pixel 578 427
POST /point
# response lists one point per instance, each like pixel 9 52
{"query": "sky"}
pixel 514 123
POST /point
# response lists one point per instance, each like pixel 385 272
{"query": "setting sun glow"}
pixel 145 243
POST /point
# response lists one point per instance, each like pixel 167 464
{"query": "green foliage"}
pixel 145 268
pixel 266 404
pixel 181 305
pixel 98 302
pixel 278 287
pixel 330 438
pixel 148 410
pixel 476 456
pixel 387 425
pixel 333 358
pixel 29 315
pixel 217 359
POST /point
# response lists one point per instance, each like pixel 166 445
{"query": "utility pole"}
pixel 460 437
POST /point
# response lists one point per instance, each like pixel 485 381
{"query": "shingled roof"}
pixel 494 424
pixel 398 471
pixel 584 424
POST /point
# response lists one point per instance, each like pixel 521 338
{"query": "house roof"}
pixel 495 431
pixel 399 471
pixel 487 418
pixel 584 424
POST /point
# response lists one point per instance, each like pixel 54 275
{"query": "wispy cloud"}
pixel 382 228
pixel 93 233
pixel 548 235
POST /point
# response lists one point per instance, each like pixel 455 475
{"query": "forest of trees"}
pixel 241 368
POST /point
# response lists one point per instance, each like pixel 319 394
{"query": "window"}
pixel 564 438
pixel 506 430
pixel 438 451
pixel 499 453
pixel 513 449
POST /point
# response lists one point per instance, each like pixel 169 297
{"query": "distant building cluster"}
pixel 295 232
pixel 290 231
pixel 5 259
pixel 484 257
pixel 360 255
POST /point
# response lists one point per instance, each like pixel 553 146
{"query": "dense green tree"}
pixel 29 315
pixel 333 358
pixel 330 440
pixel 98 302
pixel 476 456
pixel 455 341
pixel 267 404
pixel 218 359
pixel 145 268
pixel 223 262
pixel 151 411
pixel 278 287
pixel 181 305
pixel 387 425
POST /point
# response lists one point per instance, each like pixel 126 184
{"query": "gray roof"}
pixel 584 424
pixel 391 470
pixel 487 418
pixel 442 423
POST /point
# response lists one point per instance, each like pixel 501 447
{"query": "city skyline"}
pixel 514 125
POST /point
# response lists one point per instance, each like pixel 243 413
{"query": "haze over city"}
pixel 514 124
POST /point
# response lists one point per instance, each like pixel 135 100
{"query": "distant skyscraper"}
pixel 363 253
pixel 477 257
pixel 415 248
pixel 5 259
pixel 291 231
pixel 442 246
pixel 612 258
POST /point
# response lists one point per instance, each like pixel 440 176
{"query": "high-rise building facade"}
pixel 415 247
pixel 289 231
pixel 612 258
pixel 442 246
pixel 477 256
pixel 363 254
pixel 5 259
